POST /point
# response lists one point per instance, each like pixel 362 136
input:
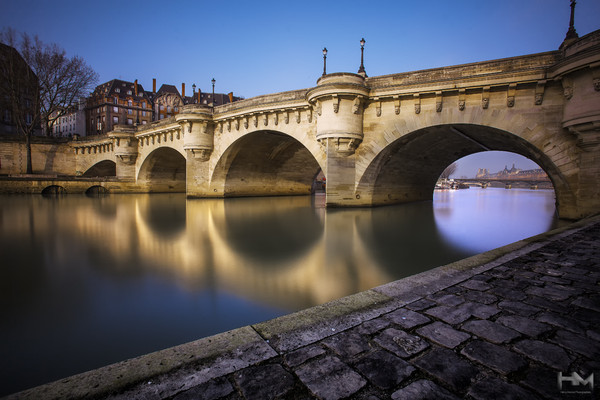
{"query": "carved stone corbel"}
pixel 286 117
pixel 297 116
pixel 246 122
pixel 539 92
pixel 397 105
pixel 438 101
pixel 228 125
pixel 309 115
pixel 485 97
pixel 237 124
pixel 336 104
pixel 346 146
pixel 377 106
pixel 510 94
pixel 417 100
pixel 567 84
pixel 462 97
pixel 317 107
pixel 255 120
pixel 596 77
pixel 266 119
pixel 201 154
pixel 356 105
pixel 276 119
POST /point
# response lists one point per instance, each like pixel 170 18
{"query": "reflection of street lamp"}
pixel 361 70
pixel 324 61
pixel 213 95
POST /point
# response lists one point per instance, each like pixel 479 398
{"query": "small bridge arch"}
pixel 163 170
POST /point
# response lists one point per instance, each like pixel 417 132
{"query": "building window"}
pixel 162 116
pixel 118 90
pixel 129 111
pixel 176 109
pixel 129 121
pixel 115 100
pixel 7 116
pixel 129 92
pixel 143 104
pixel 115 120
pixel 29 119
pixel 168 109
pixel 130 103
pixel 116 109
pixel 144 122
pixel 143 113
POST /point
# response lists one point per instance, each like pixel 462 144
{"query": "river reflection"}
pixel 86 282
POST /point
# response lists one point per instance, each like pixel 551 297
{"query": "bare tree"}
pixel 38 83
pixel 450 169
pixel 63 80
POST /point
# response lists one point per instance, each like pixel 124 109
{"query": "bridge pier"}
pixel 125 146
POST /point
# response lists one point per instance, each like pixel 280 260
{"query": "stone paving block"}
pixel 347 344
pixel 543 381
pixel 372 326
pixel 264 382
pixel 448 314
pixel 527 326
pixel 577 343
pixel 474 284
pixel 407 319
pixel 591 303
pixel 480 297
pixel 443 334
pixel 421 304
pixel 401 343
pixel 554 279
pixel 302 355
pixel 423 390
pixel 330 379
pixel 516 307
pixel 491 331
pixel 384 369
pixel 552 292
pixel 215 389
pixel 563 322
pixel 449 368
pixel 494 357
pixel 545 304
pixel 494 388
pixel 508 292
pixel 446 299
pixel 545 353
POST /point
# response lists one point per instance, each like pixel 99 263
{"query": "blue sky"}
pixel 260 47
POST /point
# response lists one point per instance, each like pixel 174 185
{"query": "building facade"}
pixel 72 122
pixel 117 102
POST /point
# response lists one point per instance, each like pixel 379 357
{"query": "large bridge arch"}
pixel 163 170
pixel 408 167
pixel 265 163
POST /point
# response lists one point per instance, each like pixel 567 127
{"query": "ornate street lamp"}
pixel 361 70
pixel 213 93
pixel 324 61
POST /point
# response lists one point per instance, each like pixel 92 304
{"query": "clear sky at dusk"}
pixel 260 47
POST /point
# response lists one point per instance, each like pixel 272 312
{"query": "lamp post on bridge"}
pixel 213 94
pixel 324 61
pixel 361 70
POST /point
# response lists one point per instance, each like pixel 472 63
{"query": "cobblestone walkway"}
pixel 505 330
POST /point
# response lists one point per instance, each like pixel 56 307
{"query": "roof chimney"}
pixel 199 91
pixel 153 85
pixel 230 97
pixel 182 89
pixel 135 88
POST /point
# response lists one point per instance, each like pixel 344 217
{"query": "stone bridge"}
pixel 378 140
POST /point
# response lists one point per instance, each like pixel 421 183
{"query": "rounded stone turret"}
pixel 338 103
pixel 197 128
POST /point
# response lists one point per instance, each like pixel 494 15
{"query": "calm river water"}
pixel 85 282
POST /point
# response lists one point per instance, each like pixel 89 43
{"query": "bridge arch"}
pixel 408 167
pixel 102 168
pixel 163 170
pixel 265 163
